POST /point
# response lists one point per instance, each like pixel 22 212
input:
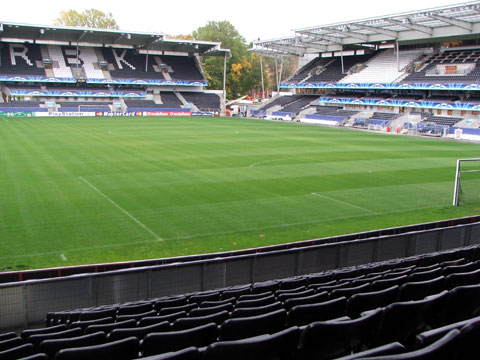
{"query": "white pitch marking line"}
pixel 345 203
pixel 63 257
pixel 145 227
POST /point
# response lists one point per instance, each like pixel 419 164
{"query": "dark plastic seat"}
pixel 425 275
pixel 328 340
pixel 192 322
pixel 365 280
pixel 277 346
pixel 8 335
pixel 420 289
pixel 344 274
pixel 262 287
pixel 217 303
pixel 330 288
pixel 175 309
pixel 388 349
pixel 319 278
pixel 26 333
pixel 305 314
pixel 162 342
pixel 398 272
pixel 285 296
pixel 11 343
pixel 292 283
pixel 139 332
pixel 347 292
pixel 259 310
pixel 210 310
pixel 52 346
pixel 84 324
pixel 36 339
pixel 109 327
pixel 463 302
pixel 454 280
pixel 236 292
pixel 255 302
pixel 443 349
pixel 468 341
pixel 125 349
pixel 361 302
pixel 198 298
pixel 136 317
pixel 98 314
pixel 190 353
pixel 401 321
pixel 312 299
pixel 386 283
pixel 35 357
pixel 238 328
pixel 134 309
pixel 255 296
pixel 17 352
pixel 462 268
pixel 289 291
pixel 150 320
pixel 163 303
pixel 430 336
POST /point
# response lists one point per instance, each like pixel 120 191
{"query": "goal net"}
pixel 467 182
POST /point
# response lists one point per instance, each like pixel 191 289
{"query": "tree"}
pixel 91 18
pixel 243 69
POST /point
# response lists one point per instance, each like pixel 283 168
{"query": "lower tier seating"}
pixel 423 307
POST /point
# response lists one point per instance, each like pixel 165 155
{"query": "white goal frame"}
pixel 458 177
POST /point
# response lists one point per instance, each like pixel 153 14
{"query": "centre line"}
pixel 145 227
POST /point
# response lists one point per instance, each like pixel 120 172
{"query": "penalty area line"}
pixel 345 203
pixel 142 225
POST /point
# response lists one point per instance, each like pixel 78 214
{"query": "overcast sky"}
pixel 253 19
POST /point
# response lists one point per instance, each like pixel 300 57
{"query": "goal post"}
pixel 467 181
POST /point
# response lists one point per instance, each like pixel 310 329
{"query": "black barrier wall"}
pixel 25 304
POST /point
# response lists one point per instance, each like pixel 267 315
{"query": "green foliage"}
pixel 243 67
pixel 91 18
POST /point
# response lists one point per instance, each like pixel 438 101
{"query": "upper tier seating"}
pixel 306 70
pixel 20 60
pixel 333 72
pixel 183 67
pixel 127 65
pixel 365 320
pixel 383 68
pixel 452 58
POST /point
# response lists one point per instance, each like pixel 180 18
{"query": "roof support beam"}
pixel 423 29
pixel 355 35
pixel 330 39
pixel 393 34
pixel 82 35
pixel 455 22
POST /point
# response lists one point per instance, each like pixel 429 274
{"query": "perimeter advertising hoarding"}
pixel 167 113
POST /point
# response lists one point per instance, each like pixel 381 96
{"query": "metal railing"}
pixel 25 304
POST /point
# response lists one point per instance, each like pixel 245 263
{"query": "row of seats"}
pixel 383 294
pixel 28 60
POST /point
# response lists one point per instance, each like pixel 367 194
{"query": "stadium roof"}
pixel 430 25
pixel 100 37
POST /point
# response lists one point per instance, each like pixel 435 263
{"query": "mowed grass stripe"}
pixel 191 181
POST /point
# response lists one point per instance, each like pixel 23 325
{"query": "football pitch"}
pixel 93 190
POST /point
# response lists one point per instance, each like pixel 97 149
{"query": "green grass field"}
pixel 92 190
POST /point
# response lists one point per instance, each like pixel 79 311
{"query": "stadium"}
pixel 138 220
